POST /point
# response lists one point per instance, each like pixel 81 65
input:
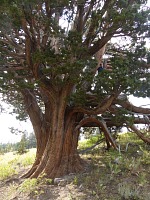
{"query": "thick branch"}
pixel 33 110
pixel 135 109
pixel 140 134
pixel 100 123
pixel 11 68
pixel 110 123
pixel 88 11
pixel 100 43
pixel 101 108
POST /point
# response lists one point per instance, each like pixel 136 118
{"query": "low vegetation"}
pixel 11 163
pixel 21 147
pixel 110 175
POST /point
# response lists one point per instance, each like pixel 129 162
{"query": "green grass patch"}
pixel 11 162
pixel 27 158
pixel 83 144
pixel 34 185
pixel 29 185
pixel 7 166
pixel 6 170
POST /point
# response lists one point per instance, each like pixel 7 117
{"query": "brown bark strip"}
pixel 80 18
pixel 100 109
pixel 127 105
pixel 140 134
pixel 10 68
pixel 28 44
pixel 88 11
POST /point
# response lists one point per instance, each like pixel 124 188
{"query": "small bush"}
pixel 29 185
pixel 34 185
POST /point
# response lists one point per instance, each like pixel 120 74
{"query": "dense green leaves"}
pixel 54 43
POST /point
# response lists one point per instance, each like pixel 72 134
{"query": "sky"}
pixel 8 120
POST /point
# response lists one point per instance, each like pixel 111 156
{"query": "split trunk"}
pixel 57 140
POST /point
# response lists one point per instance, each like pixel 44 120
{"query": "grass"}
pixel 119 175
pixel 10 163
pixel 111 175
pixel 82 144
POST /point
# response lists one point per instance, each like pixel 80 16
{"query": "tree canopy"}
pixel 49 55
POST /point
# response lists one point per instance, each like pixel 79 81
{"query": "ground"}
pixel 109 175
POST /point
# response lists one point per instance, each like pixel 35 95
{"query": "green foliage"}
pixel 27 142
pixel 145 156
pixel 22 145
pixel 33 186
pixel 75 181
pixel 74 63
pixel 7 167
pixel 27 158
pixel 29 185
pixel 56 61
pixel 127 179
pixel 4 148
pixel 6 170
pixel 83 144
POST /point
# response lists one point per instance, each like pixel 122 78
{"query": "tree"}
pixel 22 145
pixel 50 52
pixel 31 141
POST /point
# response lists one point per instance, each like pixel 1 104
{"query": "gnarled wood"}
pixel 140 134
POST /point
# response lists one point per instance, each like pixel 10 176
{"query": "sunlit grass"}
pixel 82 144
pixel 11 162
pixel 6 171
pixel 27 158
pixel 129 138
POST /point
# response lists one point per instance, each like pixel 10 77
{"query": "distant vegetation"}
pixel 26 142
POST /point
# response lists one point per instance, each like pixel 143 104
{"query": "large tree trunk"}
pixel 60 155
pixel 56 139
pixel 41 144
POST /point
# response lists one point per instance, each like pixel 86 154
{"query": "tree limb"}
pixel 140 134
pixel 135 109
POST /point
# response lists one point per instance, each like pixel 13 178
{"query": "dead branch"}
pixel 140 134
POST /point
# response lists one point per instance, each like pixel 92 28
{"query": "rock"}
pixel 59 181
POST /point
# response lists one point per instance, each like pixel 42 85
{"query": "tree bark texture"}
pixel 56 139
